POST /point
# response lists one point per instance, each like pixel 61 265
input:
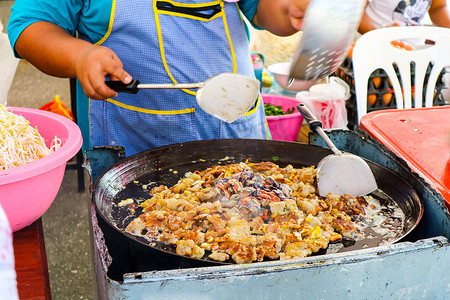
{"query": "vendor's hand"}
pixel 296 13
pixel 92 65
pixel 281 17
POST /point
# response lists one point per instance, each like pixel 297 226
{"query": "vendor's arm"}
pixel 439 13
pixel 57 53
pixel 42 31
pixel 281 17
pixel 366 23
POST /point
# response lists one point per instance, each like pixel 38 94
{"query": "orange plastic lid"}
pixel 421 136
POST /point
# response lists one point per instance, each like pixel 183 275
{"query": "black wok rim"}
pixel 315 153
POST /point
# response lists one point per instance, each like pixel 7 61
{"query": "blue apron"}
pixel 172 42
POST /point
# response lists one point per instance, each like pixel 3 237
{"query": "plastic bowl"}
pixel 27 191
pixel 284 127
pixel 280 72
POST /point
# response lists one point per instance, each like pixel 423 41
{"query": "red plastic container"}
pixel 284 127
pixel 421 136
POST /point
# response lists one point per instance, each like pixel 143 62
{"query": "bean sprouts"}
pixel 20 143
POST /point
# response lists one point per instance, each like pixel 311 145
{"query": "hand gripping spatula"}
pixel 226 96
pixel 339 173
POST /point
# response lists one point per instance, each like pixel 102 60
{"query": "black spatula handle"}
pixel 309 117
pixel 120 87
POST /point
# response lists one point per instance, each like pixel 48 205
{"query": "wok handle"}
pixel 316 126
pixel 120 87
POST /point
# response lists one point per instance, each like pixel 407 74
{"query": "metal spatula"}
pixel 339 173
pixel 226 96
pixel 329 28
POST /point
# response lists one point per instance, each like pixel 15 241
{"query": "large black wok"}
pixel 166 165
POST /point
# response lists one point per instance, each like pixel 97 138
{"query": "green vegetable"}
pixel 276 110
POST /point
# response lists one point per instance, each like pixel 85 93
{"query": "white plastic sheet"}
pixel 8 65
pixel 8 281
pixel 327 102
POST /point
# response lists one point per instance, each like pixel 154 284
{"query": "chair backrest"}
pixel 373 51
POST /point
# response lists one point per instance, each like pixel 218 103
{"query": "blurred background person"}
pixel 383 13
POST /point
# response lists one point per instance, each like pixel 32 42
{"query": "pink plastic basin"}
pixel 26 192
pixel 284 127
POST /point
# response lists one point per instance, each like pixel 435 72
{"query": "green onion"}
pixel 276 110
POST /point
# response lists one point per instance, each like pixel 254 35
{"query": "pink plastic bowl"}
pixel 26 192
pixel 284 127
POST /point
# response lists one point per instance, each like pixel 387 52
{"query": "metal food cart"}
pixel 416 267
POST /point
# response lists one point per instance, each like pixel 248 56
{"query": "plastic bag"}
pixel 58 107
pixel 327 102
pixel 8 65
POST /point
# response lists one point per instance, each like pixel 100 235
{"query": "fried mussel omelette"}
pixel 248 212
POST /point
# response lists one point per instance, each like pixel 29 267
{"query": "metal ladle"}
pixel 227 96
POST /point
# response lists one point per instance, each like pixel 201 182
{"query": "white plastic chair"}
pixel 373 51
